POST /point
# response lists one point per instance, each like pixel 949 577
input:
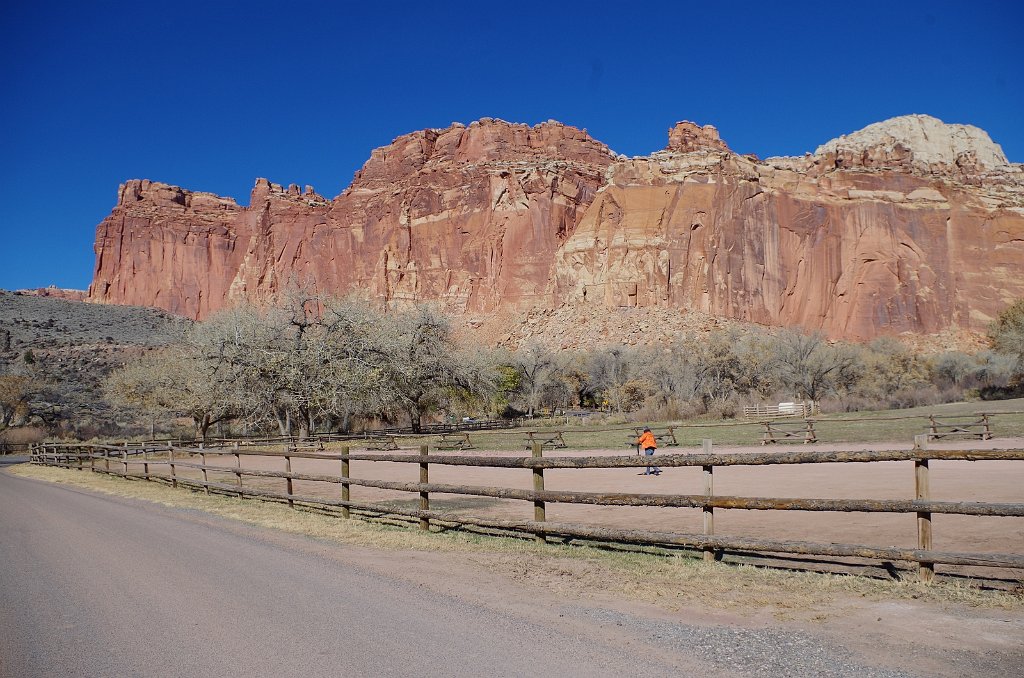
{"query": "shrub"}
pixel 13 439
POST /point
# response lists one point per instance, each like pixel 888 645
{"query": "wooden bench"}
pixel 976 426
pixel 548 441
pixel 382 443
pixel 789 432
pixel 665 438
pixel 454 441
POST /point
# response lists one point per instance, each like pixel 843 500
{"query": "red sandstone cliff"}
pixel 468 215
pixel 879 233
pixel 908 225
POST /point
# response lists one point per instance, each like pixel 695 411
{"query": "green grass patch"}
pixel 892 426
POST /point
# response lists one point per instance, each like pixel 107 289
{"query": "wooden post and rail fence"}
pixel 83 457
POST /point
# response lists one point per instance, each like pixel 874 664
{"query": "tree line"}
pixel 309 364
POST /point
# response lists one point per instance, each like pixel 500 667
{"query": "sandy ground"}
pixel 990 481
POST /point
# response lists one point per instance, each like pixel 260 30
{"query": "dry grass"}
pixel 670 582
pixel 869 426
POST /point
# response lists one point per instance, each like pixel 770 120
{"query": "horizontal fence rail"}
pixel 172 460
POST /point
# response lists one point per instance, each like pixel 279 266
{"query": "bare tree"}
pixel 177 380
pixel 890 368
pixel 424 368
pixel 717 368
pixel 305 362
pixel 671 374
pixel 813 367
pixel 609 369
pixel 537 367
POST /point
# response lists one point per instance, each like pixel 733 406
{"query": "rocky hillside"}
pixel 909 225
pixel 68 347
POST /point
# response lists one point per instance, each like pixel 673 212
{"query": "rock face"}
pixel 909 225
pixel 868 236
pixel 468 215
pixel 55 292
pixel 920 143
pixel 687 137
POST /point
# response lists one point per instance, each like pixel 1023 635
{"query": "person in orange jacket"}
pixel 648 444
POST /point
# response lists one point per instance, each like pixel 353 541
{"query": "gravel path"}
pixel 749 652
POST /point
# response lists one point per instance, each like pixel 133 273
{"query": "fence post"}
pixel 238 472
pixel 206 478
pixel 345 513
pixel 170 462
pixel 926 570
pixel 288 480
pixel 92 459
pixel 424 495
pixel 709 491
pixel 124 459
pixel 539 512
pixel 145 463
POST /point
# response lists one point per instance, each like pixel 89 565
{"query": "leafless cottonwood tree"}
pixel 423 368
pixel 303 363
pixel 184 379
pixel 671 374
pixel 308 362
pixel 812 367
pixel 537 367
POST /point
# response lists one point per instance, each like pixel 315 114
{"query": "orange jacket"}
pixel 646 440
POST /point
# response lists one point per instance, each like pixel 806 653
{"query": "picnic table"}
pixel 384 442
pixel 975 426
pixel 789 431
pixel 454 441
pixel 548 440
pixel 665 437
pixel 308 446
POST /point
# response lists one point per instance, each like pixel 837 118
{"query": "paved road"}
pixel 93 585
pixel 99 586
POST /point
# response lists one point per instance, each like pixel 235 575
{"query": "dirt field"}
pixel 989 481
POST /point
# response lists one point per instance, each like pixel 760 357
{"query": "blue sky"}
pixel 210 96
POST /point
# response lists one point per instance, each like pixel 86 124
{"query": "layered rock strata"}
pixel 909 225
pixel 867 236
pixel 467 215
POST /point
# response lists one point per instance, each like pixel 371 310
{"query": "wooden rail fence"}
pixel 780 410
pixel 142 464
